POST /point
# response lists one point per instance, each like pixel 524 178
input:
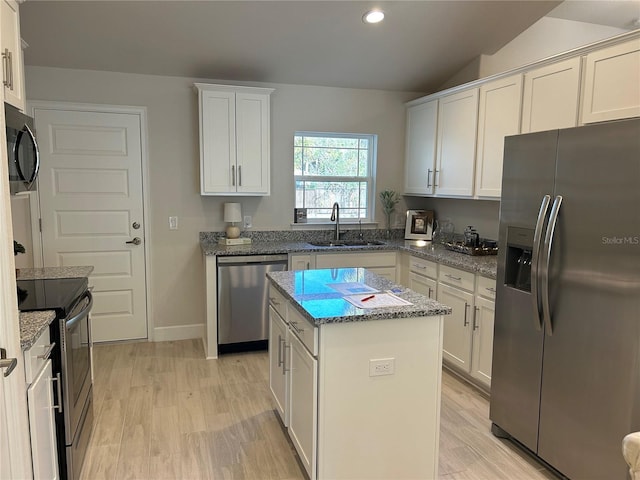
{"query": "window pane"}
pixel 297 161
pixel 363 164
pixel 297 140
pixel 364 143
pixel 330 142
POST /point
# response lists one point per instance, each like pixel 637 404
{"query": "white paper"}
pixel 379 300
pixel 352 288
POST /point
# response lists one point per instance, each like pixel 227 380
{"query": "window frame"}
pixel 369 180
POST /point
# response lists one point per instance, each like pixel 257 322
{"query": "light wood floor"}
pixel 163 412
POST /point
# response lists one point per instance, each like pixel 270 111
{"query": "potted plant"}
pixel 389 200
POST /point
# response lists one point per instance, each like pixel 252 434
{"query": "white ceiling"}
pixel 419 45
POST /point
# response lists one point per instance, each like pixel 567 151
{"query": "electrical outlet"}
pixel 173 223
pixel 381 366
pixel 247 221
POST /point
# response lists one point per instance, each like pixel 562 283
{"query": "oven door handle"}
pixel 72 321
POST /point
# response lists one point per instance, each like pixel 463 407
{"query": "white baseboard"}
pixel 179 332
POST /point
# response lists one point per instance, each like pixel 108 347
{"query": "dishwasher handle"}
pixel 251 259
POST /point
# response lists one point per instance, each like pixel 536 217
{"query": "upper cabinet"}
pixel 422 124
pixel 234 140
pixel 551 96
pixel 456 145
pixel 11 46
pixel 612 83
pixel 498 116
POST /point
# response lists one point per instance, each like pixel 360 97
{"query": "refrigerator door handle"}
pixel 548 244
pixel 537 238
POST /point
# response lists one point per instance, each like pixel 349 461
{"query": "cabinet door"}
pixel 12 66
pixel 551 96
pixel 484 313
pixel 419 167
pixel 499 116
pixel 252 143
pixel 300 262
pixel 278 374
pixel 457 125
pixel 303 395
pixel 217 142
pixel 44 453
pixel 612 83
pixel 424 285
pixel 456 343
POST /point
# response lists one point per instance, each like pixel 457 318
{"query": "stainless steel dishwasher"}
pixel 243 300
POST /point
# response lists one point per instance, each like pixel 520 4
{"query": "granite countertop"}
pixel 53 272
pixel 32 324
pixel 484 265
pixel 310 292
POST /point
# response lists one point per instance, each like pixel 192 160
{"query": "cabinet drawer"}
pixel 346 260
pixel 36 357
pixel 304 330
pixel 279 303
pixel 458 278
pixel 486 287
pixel 424 267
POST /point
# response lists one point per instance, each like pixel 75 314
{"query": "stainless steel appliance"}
pixel 72 301
pixel 22 150
pixel 243 300
pixel 566 358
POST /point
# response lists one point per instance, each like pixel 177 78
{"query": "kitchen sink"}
pixel 346 243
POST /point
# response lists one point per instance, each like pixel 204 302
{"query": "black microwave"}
pixel 22 150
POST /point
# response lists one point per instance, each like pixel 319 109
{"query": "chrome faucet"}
pixel 335 217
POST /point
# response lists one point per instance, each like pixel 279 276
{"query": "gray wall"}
pixel 177 272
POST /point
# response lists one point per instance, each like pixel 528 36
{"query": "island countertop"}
pixel 53 272
pixel 313 293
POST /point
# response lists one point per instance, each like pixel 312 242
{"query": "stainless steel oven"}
pixel 77 395
pixel 22 150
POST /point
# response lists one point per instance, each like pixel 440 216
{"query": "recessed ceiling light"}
pixel 373 16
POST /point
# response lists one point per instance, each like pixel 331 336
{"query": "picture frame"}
pixel 419 225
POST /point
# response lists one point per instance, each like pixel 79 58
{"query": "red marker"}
pixel 367 298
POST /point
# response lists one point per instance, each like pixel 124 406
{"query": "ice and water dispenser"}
pixel 518 261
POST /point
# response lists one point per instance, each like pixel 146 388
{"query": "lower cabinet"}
pixel 278 373
pixel 42 426
pixel 484 313
pixel 303 404
pixel 456 342
pixel 301 261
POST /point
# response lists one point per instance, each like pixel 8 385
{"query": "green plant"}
pixel 18 248
pixel 389 200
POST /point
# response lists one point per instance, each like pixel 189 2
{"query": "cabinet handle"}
pixel 452 277
pixel 233 175
pixel 297 330
pixel 47 352
pixel 239 175
pixel 491 289
pixel 430 290
pixel 59 389
pixel 5 68
pixel 308 266
pixel 428 177
pixel 466 307
pixel 10 71
pixel 279 350
pixel 273 300
pixel 421 267
pixel 475 314
pixel 284 362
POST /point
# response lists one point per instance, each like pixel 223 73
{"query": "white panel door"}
pixel 456 340
pixel 91 205
pixel 252 143
pixel 499 116
pixel 551 95
pixel 483 320
pixel 420 156
pixel 218 142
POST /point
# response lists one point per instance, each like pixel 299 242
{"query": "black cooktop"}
pixel 59 294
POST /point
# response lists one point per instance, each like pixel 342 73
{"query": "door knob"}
pixel 8 363
pixel 135 241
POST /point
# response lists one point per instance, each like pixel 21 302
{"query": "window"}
pixel 334 167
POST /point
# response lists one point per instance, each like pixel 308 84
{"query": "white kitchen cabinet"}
pixel 551 96
pixel 278 368
pixel 498 116
pixel 456 341
pixel 234 140
pixel 42 427
pixel 11 49
pixel 301 261
pixel 423 275
pixel 420 156
pixel 383 263
pixel 612 83
pixel 303 404
pixel 456 145
pixel 482 344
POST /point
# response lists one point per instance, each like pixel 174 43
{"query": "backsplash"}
pixel 307 235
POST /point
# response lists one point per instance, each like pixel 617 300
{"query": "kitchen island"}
pixel 357 384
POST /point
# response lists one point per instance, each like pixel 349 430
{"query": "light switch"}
pixel 173 223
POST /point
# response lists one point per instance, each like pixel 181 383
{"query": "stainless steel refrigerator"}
pixel 566 358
